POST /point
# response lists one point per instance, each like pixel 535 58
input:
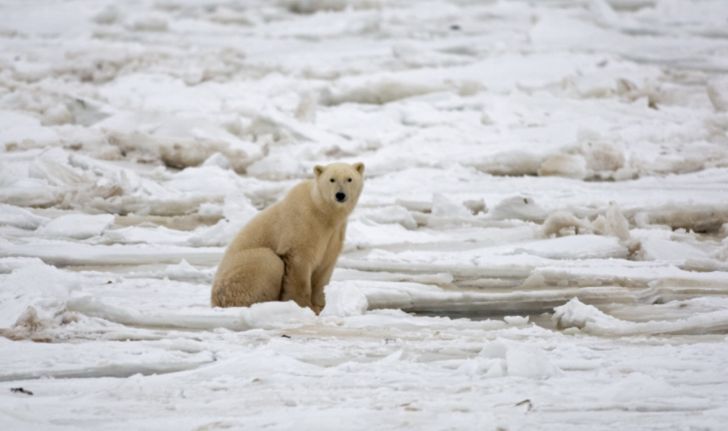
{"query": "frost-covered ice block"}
pixel 264 315
pixel 93 359
pixel 76 226
pixel 589 319
pixel 68 253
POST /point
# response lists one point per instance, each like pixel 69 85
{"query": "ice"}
pixel 16 216
pixel 564 165
pixel 77 226
pixel 344 300
pixel 518 207
pixel 590 320
pixel 541 242
pixel 498 359
pixel 34 295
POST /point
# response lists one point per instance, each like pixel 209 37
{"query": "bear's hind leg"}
pixel 248 277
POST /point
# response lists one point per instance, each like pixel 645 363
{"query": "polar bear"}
pixel 288 251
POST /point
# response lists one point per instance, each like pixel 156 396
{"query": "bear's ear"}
pixel 359 167
pixel 318 170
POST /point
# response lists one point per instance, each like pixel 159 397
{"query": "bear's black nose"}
pixel 341 197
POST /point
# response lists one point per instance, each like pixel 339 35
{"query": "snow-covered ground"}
pixel 542 242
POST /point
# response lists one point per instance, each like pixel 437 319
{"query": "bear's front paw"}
pixel 317 308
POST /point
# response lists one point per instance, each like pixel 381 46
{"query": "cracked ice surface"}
pixel 541 242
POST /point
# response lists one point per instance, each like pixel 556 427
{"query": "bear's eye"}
pixel 349 180
pixel 332 180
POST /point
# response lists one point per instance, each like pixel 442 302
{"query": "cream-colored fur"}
pixel 288 251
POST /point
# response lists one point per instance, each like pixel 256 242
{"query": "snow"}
pixel 542 240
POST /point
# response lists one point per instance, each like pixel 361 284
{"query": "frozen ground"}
pixel 541 243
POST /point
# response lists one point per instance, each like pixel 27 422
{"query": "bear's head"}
pixel 339 184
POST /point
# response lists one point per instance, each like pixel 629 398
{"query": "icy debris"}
pixel 594 157
pixel 506 358
pixel 17 129
pixel 442 206
pixel 313 6
pixel 649 93
pixel 717 89
pixel 584 246
pixel 26 191
pixel 665 250
pixel 378 91
pixel 722 252
pixel 54 166
pixel 10 264
pixel 179 152
pixel 269 315
pixel 614 223
pixel 18 217
pixel 306 109
pixel 185 271
pixel 589 319
pixel 57 253
pixel 639 387
pixel 476 206
pixel 57 114
pixel 390 214
pixel 276 167
pixel 520 208
pixel 34 296
pixel 108 15
pixel 237 210
pixel 218 235
pixel 145 235
pixel 153 23
pixel 600 155
pixel 99 359
pixel 562 223
pixel 266 315
pixel 516 320
pixel 219 160
pixel 343 299
pixel 77 226
pixel 417 206
pixel 564 165
pixel 515 163
pixel 576 314
pixel 696 217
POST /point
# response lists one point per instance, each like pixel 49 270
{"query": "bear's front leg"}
pixel 319 281
pixel 322 274
pixel 297 282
